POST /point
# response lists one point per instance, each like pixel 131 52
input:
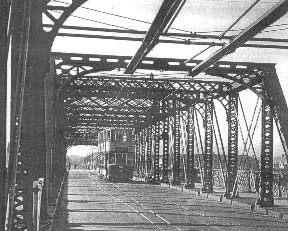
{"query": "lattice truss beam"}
pixel 95 95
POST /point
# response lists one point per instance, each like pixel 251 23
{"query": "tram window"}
pixel 109 135
pixel 111 158
pixel 100 137
pixel 118 136
pixel 121 159
pixel 130 160
pixel 112 135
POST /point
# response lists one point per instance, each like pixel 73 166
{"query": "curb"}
pixel 257 209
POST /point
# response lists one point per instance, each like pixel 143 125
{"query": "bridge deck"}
pixel 92 204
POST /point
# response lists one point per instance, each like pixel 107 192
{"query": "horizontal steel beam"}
pixel 171 41
pixel 163 19
pixel 139 32
pixel 151 63
pixel 268 18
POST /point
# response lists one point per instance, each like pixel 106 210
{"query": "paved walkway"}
pixel 92 204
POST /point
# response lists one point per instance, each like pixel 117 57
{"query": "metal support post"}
pixel 143 148
pixel 165 138
pixel 137 159
pixel 3 100
pixel 28 112
pixel 191 175
pixel 232 146
pixel 49 125
pixel 156 153
pixel 149 149
pixel 176 146
pixel 208 155
pixel 266 174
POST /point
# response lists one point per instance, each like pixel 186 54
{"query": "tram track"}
pixel 150 211
pixel 134 209
pixel 90 203
pixel 182 207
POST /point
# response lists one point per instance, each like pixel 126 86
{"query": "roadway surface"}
pixel 89 203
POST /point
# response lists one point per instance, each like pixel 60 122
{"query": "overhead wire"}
pixel 120 16
pixel 121 27
pixel 146 22
pixel 238 19
pixel 142 21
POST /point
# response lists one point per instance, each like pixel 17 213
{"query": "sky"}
pixel 196 16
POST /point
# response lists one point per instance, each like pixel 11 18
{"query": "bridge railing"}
pixel 249 182
pixel 280 185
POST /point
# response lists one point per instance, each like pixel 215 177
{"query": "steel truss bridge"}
pixel 59 100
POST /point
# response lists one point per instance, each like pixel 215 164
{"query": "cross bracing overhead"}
pixel 96 93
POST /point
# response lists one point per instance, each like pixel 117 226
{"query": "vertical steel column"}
pixel 149 149
pixel 3 100
pixel 58 158
pixel 17 175
pixel 28 112
pixel 208 155
pixel 137 159
pixel 143 148
pixel 190 148
pixel 165 138
pixel 49 124
pixel 266 175
pixel 232 145
pixel 176 147
pixel 156 153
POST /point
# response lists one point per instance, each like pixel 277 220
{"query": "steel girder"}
pixel 79 84
pixel 165 146
pixel 232 115
pixel 149 150
pixel 272 15
pixel 168 34
pixel 137 151
pixel 276 97
pixel 30 62
pixel 208 154
pixel 176 144
pixel 190 147
pixel 143 151
pixel 164 18
pixel 4 12
pixel 156 173
pixel 71 64
pixel 123 98
pixel 266 174
pixel 95 85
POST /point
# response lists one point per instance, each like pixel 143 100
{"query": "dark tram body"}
pixel 116 154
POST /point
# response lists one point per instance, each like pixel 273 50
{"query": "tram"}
pixel 116 154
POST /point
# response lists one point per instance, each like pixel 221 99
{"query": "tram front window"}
pixel 120 159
